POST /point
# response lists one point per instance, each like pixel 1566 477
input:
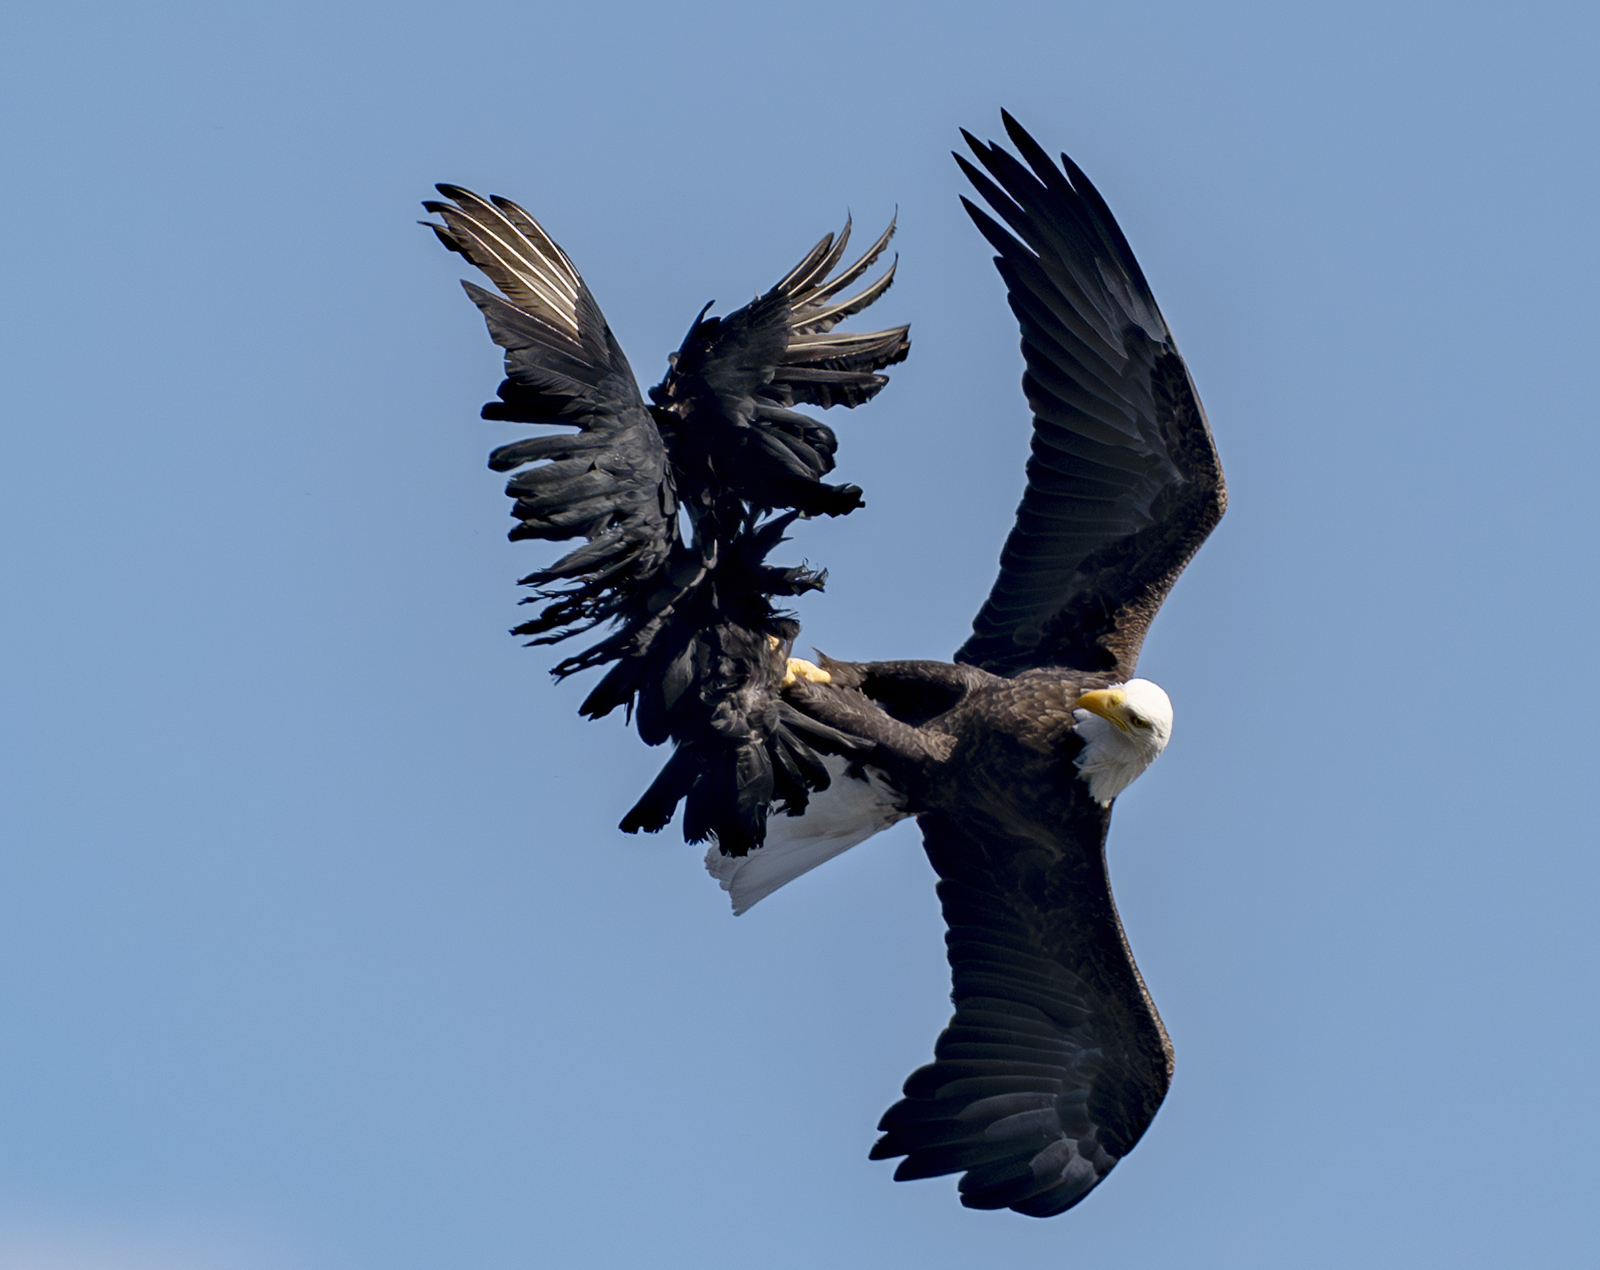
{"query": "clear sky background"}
pixel 319 949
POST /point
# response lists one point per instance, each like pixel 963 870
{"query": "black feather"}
pixel 697 647
pixel 1124 483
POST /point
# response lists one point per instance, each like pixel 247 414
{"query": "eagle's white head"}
pixel 1123 728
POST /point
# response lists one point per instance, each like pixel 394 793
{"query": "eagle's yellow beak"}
pixel 1108 704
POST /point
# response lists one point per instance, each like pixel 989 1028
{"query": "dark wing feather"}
pixel 1124 482
pixel 608 482
pixel 727 401
pixel 1055 1061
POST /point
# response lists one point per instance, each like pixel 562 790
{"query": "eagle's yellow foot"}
pixel 799 669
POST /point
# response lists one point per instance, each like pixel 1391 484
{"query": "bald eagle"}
pixel 1010 757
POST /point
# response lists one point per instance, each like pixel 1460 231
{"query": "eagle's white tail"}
pixel 858 804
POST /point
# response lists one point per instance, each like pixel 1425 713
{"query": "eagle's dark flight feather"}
pixel 1124 482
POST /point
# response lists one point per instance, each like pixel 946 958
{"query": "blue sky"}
pixel 318 947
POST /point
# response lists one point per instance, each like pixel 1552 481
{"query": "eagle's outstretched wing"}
pixel 698 647
pixel 1056 1060
pixel 1124 482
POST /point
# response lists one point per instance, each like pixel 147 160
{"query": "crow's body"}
pixel 1010 757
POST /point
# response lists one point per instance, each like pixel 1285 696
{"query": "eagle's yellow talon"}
pixel 799 669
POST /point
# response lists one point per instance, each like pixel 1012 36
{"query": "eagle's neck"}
pixel 1111 760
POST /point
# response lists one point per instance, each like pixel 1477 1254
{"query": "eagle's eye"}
pixel 1138 722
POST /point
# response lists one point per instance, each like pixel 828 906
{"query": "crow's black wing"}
pixel 1056 1061
pixel 1124 482
pixel 609 481
pixel 727 401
